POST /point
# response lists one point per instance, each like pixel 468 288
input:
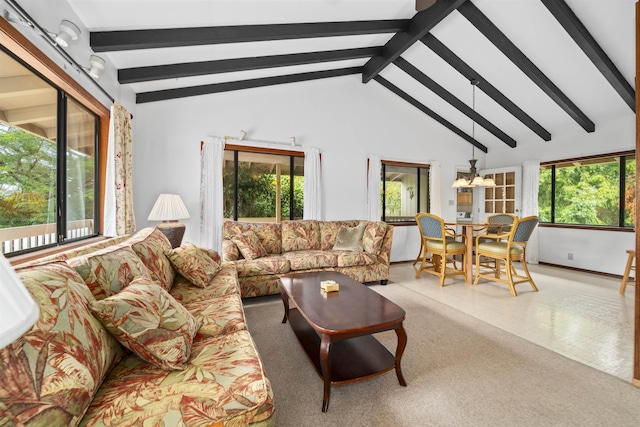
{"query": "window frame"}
pixel 622 155
pixel 19 47
pixel 418 166
pixel 292 154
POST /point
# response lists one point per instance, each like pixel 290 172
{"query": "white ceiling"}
pixel 527 23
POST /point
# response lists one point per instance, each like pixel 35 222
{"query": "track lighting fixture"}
pixel 97 66
pixel 68 32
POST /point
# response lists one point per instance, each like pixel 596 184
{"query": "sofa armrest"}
pixel 385 249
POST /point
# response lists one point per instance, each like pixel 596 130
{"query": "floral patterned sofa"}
pixel 132 332
pixel 303 245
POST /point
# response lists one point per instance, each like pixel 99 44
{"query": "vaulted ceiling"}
pixel 540 65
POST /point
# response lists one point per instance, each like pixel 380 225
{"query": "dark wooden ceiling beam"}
pixel 161 95
pixel 463 68
pixel 583 38
pixel 420 24
pixel 511 51
pixel 443 93
pixel 108 41
pixel 171 71
pixel 429 112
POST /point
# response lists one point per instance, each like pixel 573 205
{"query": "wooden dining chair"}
pixel 439 242
pixel 507 247
pixel 627 270
pixel 501 222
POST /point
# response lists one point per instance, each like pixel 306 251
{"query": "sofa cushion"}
pixel 230 250
pixel 249 245
pixel 350 258
pixel 108 271
pixel 329 232
pixel 374 233
pixel 349 238
pixel 193 263
pixel 307 260
pixel 225 282
pixel 149 322
pixel 300 235
pixel 276 264
pixel 269 233
pixel 53 371
pixel 218 316
pixel 150 244
pixel 224 384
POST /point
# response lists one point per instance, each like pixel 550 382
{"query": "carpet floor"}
pixel 460 371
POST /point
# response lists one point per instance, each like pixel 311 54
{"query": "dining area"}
pixel 475 250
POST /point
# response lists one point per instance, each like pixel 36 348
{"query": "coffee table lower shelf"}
pixel 352 359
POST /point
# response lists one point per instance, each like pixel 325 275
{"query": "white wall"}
pixel 346 119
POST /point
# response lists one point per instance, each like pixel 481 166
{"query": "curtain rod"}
pixel 291 143
pixel 45 34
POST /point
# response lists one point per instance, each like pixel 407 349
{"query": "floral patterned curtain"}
pixel 119 218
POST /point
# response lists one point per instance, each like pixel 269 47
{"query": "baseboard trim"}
pixel 582 270
pixel 548 264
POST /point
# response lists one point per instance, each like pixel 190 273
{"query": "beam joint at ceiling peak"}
pixel 421 23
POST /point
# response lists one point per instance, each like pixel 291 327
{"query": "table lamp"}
pixel 18 310
pixel 169 208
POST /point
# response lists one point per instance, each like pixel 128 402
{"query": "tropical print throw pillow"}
pixel 147 320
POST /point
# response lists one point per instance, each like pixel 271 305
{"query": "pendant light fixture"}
pixel 473 179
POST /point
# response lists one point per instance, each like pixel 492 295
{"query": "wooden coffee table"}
pixel 335 328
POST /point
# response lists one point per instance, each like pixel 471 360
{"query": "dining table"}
pixel 468 229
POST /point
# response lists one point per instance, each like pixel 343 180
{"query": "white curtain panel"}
pixel 373 188
pixel 530 185
pixel 211 201
pixel 435 189
pixel 312 184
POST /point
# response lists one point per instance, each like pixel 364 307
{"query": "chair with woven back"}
pixel 508 247
pixel 500 223
pixel 439 242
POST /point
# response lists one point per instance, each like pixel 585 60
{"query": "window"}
pixel 263 186
pixel 593 191
pixel 48 162
pixel 404 191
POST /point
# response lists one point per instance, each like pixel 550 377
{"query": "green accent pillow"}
pixel 147 320
pixel 249 245
pixel 349 238
pixel 194 264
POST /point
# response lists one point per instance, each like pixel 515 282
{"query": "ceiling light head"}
pixel 243 134
pixel 97 66
pixel 68 32
pixel 292 141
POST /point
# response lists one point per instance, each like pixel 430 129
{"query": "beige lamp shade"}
pixel 168 207
pixel 18 310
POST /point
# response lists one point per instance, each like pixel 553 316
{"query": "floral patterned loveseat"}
pixel 125 339
pixel 304 245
